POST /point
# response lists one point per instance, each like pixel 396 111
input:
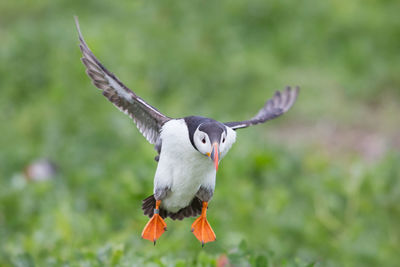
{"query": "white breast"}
pixel 181 167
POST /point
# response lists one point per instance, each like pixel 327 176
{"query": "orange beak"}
pixel 215 155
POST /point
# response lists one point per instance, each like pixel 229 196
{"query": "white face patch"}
pixel 202 142
pixel 230 139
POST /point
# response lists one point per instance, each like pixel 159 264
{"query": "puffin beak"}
pixel 215 155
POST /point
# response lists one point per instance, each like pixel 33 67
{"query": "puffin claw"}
pixel 202 229
pixel 155 227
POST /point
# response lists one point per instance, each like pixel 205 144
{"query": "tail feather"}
pixel 192 210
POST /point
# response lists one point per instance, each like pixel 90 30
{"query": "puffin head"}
pixel 211 138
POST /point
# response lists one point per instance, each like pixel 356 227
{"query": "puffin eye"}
pixel 203 140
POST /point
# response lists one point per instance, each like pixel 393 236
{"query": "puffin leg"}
pixel 156 225
pixel 202 229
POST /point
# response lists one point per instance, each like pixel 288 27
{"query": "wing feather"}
pixel 147 118
pixel 280 103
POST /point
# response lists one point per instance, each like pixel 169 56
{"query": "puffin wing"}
pixel 147 118
pixel 274 107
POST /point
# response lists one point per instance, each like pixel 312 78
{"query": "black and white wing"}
pixel 147 118
pixel 274 107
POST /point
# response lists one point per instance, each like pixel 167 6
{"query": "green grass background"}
pixel 319 186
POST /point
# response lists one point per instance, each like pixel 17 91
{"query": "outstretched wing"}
pixel 147 118
pixel 274 107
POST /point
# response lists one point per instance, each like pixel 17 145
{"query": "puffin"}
pixel 189 149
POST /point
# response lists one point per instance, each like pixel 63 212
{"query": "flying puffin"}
pixel 189 149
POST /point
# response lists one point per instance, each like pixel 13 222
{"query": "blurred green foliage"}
pixel 276 204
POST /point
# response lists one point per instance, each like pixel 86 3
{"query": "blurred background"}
pixel 317 187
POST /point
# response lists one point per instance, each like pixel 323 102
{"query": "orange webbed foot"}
pixel 202 229
pixel 155 227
